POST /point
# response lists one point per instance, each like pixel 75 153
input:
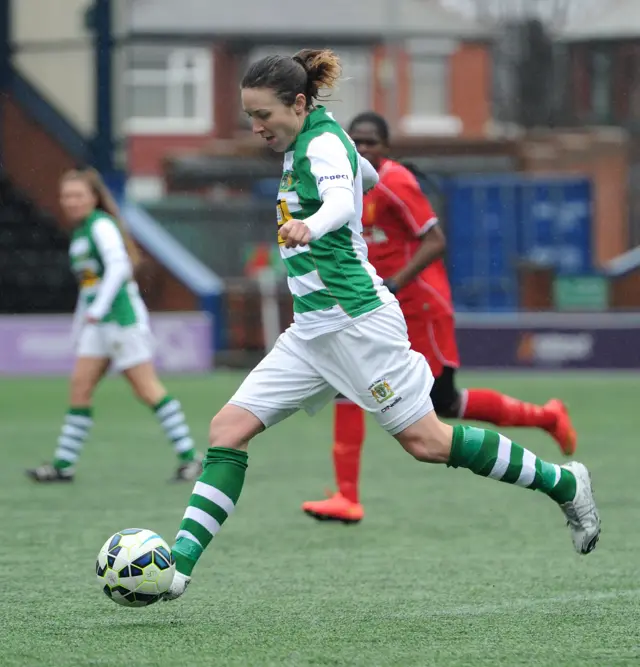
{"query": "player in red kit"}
pixel 406 246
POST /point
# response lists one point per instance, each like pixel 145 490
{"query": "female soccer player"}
pixel 406 245
pixel 348 335
pixel 110 327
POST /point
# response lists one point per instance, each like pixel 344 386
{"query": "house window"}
pixel 428 75
pixel 601 86
pixel 629 95
pixel 169 90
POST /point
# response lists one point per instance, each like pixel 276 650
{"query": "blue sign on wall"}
pixel 495 223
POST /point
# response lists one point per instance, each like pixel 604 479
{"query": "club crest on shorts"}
pixel 381 390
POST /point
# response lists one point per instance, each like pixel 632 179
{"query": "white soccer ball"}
pixel 135 567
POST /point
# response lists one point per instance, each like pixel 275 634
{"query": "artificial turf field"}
pixel 446 569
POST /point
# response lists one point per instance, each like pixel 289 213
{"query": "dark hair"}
pixel 304 73
pixel 374 118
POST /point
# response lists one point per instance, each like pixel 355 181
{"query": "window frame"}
pixel 175 77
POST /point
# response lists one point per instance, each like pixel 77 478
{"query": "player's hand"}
pixel 295 233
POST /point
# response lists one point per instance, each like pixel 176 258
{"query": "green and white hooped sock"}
pixel 491 454
pixel 214 498
pixel 75 431
pixel 174 424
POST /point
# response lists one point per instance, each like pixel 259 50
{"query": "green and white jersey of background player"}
pixel 330 279
pixel 96 243
pixel 108 293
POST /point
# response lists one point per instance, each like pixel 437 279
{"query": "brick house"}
pixel 426 68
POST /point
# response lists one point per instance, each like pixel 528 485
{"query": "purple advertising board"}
pixel 550 341
pixel 41 344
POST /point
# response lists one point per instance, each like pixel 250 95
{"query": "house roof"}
pixel 570 20
pixel 612 19
pixel 286 20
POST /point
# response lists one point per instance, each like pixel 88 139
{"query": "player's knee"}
pixel 233 427
pixel 428 440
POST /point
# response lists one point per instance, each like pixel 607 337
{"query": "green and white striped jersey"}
pixel 331 281
pixel 101 264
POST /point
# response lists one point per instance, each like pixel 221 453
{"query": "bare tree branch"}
pixel 529 64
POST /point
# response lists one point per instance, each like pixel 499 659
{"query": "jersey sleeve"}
pixel 329 164
pixel 108 240
pixel 117 266
pixel 370 176
pixel 402 191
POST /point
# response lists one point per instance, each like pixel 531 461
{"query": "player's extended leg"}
pixel 490 454
pixel 216 493
pixel 168 410
pixel 349 432
pixel 502 410
pixel 496 408
pixel 87 373
pixel 395 382
pixel 486 405
pixel 281 384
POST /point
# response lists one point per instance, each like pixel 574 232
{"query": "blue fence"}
pixel 496 223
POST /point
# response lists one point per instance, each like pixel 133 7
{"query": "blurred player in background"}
pixel 406 246
pixel 111 327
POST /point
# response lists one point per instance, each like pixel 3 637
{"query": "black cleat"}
pixel 47 473
pixel 189 470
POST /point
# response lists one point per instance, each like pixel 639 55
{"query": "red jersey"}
pixel 395 215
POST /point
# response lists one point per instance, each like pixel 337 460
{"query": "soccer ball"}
pixel 135 567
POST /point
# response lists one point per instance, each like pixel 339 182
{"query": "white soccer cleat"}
pixel 178 586
pixel 581 512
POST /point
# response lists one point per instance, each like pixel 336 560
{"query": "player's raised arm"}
pixel 403 193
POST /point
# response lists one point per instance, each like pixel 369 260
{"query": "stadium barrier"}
pixel 598 341
pixel 42 344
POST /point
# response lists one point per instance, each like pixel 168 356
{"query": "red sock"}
pixel 492 406
pixel 347 447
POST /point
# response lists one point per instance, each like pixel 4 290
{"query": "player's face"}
pixel 368 142
pixel 77 200
pixel 277 123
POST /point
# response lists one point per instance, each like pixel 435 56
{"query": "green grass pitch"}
pixel 446 569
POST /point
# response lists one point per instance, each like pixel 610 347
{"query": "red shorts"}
pixel 435 339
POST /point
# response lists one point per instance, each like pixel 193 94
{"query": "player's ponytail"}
pixel 323 70
pixel 306 73
pixel 106 202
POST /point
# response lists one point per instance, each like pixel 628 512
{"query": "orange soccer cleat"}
pixel 563 431
pixel 335 508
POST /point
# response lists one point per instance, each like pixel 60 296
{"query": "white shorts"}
pixel 370 362
pixel 125 346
